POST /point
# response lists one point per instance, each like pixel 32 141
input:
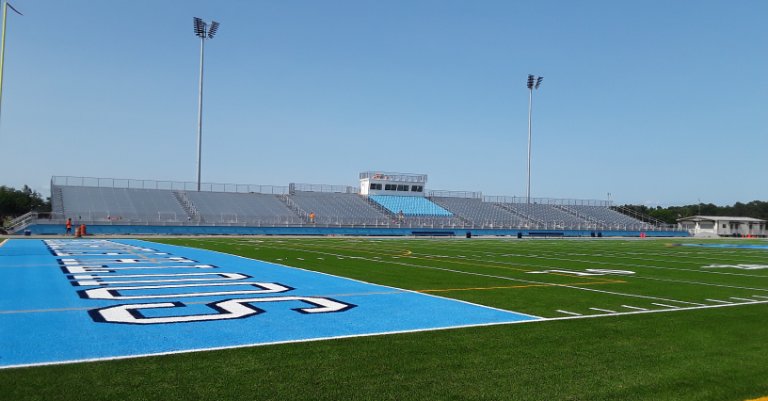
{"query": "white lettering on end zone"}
pixel 228 309
pixel 114 292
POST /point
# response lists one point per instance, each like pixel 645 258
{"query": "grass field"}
pixel 625 320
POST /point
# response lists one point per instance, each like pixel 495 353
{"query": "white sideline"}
pixel 499 277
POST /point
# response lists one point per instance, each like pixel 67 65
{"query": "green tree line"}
pixel 14 202
pixel 756 209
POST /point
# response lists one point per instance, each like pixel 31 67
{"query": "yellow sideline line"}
pixel 760 399
pixel 3 242
pixel 531 285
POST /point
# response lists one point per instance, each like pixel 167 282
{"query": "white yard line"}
pixel 699 283
pixel 502 277
pixel 633 265
pixel 743 299
pixel 628 265
pixel 572 315
pixel 633 307
pixel 603 310
pixel 760 296
pixel 665 305
pixel 685 308
pixel 718 301
pixel 366 282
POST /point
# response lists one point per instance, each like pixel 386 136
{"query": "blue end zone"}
pixel 75 300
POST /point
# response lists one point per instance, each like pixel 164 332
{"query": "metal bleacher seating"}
pixel 547 216
pixel 164 203
pixel 608 217
pixel 121 204
pixel 241 208
pixel 337 208
pixel 479 213
pixel 410 205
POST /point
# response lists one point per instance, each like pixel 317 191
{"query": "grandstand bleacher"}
pixel 548 215
pixel 410 206
pixel 607 217
pixel 481 214
pixel 106 202
pixel 239 208
pixel 120 204
pixel 336 208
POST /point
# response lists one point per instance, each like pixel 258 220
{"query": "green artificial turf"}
pixel 712 353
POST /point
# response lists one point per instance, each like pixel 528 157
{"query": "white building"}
pixel 400 184
pixel 723 226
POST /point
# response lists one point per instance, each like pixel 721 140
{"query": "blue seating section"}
pixel 410 205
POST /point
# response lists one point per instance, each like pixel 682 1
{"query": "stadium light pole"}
pixel 533 83
pixel 6 6
pixel 204 31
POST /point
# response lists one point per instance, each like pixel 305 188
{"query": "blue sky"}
pixel 656 102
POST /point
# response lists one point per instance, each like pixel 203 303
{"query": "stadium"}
pixel 382 286
pixel 384 203
pixel 388 290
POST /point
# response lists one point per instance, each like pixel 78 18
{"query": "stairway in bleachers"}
pixel 187 205
pixel 525 216
pixel 583 216
pixel 57 201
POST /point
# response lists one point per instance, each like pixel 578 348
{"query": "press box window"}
pixel 390 187
pixel 376 187
pixel 402 188
pixel 417 188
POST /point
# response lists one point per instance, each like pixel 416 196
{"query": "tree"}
pixel 15 202
pixel 757 209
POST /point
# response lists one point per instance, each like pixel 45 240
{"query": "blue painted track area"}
pixel 68 300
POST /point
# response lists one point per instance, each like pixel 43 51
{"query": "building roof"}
pixel 722 218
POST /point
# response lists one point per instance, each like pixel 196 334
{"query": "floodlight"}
pixel 538 82
pixel 212 31
pixel 199 27
pixel 530 81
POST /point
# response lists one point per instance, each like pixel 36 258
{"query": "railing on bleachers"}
pixel 166 185
pixel 501 212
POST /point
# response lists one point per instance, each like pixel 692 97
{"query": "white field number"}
pixel 587 272
pixel 740 267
